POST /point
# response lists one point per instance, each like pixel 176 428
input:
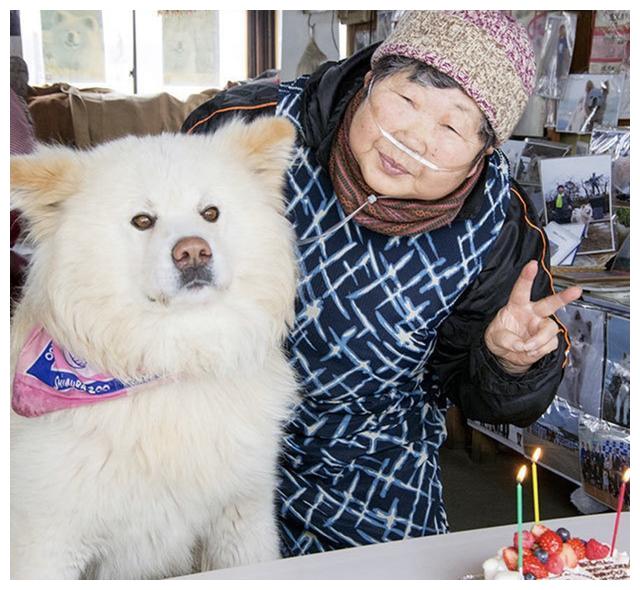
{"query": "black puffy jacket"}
pixel 470 375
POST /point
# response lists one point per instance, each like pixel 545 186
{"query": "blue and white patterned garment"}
pixel 360 461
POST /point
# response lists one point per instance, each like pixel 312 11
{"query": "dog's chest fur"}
pixel 155 465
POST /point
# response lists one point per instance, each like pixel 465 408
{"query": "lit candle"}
pixel 534 475
pixel 521 475
pixel 623 489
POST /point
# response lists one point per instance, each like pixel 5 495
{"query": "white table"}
pixel 438 557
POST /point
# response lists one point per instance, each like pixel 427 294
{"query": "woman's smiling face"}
pixel 442 125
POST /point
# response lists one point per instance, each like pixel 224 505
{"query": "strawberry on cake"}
pixel 556 554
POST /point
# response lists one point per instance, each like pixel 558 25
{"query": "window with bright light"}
pixel 147 52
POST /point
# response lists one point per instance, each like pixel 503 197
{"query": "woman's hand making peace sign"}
pixel 523 331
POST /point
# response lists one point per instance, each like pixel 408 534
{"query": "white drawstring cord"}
pixel 371 199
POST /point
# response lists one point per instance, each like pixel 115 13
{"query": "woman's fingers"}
pixel 508 341
pixel 549 305
pixel 546 331
pixel 537 354
pixel 521 291
pixel 516 354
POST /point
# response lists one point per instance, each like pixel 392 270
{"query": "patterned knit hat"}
pixel 486 51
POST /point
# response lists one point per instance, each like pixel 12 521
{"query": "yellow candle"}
pixel 534 477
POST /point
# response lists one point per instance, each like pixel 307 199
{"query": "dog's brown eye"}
pixel 210 214
pixel 143 222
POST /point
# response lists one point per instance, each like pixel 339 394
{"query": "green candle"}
pixel 521 475
pixel 519 494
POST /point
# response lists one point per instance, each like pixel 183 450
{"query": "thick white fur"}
pixel 180 476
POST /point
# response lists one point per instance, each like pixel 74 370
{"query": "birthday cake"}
pixel 549 554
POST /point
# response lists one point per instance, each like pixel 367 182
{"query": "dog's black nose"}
pixel 189 252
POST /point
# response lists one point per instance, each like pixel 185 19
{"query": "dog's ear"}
pixel 267 144
pixel 40 182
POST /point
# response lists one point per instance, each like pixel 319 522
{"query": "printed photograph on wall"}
pixel 581 384
pixel 578 190
pixel 73 45
pixel 617 377
pixel 190 47
pixel 589 100
pixel 604 457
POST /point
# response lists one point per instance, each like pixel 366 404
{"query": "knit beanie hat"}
pixel 486 51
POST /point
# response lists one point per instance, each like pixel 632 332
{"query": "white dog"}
pixel 150 384
pixel 622 377
pixel 584 215
pixel 581 332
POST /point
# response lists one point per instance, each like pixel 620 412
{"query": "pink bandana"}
pixel 49 378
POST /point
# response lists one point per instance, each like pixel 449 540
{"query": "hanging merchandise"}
pixel 617 143
pixel 313 56
pixel 556 55
pixel 611 50
pixel 532 122
pixel 611 42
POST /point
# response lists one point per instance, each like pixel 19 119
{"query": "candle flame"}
pixel 522 473
pixel 536 455
pixel 626 475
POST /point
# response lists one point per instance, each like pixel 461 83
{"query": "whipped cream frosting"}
pixel 615 567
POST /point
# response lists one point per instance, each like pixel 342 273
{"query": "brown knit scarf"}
pixel 389 216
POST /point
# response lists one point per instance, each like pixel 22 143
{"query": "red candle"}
pixel 623 489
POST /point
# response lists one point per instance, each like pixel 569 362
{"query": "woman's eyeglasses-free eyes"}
pixel 421 159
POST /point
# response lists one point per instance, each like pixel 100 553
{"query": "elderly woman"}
pixel 423 271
